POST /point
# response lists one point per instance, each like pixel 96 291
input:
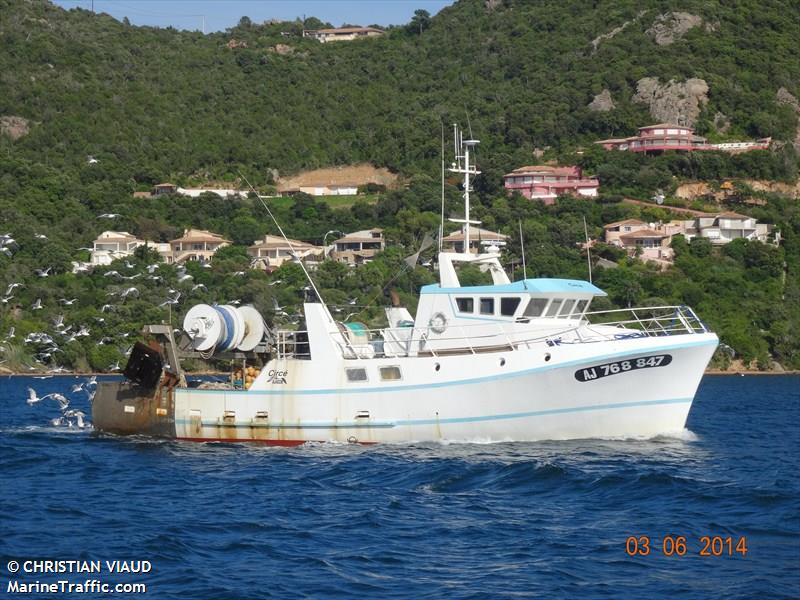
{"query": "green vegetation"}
pixel 156 104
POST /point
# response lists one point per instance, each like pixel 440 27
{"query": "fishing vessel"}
pixel 508 361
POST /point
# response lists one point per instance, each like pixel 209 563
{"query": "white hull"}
pixel 471 397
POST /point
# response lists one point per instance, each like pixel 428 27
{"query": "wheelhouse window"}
pixel 355 375
pixel 390 373
pixel 487 306
pixel 535 307
pixel 566 308
pixel 554 306
pixel 508 306
pixel 580 307
pixel 465 305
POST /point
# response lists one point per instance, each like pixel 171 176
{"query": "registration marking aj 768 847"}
pixel 622 366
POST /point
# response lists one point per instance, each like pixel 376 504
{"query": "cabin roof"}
pixel 528 286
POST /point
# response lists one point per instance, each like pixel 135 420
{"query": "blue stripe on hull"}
pixel 414 422
pixel 421 386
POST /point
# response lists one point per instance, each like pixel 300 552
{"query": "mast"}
pixel 463 166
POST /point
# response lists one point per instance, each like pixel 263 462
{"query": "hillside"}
pixel 153 105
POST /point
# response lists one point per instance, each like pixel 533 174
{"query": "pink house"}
pixel 664 136
pixel 546 183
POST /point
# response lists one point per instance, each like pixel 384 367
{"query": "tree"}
pixel 420 21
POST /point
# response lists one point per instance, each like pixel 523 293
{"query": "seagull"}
pixel 278 309
pixel 37 305
pixel 77 388
pixel 114 367
pixel 5 299
pixel 109 216
pixel 84 331
pixel 352 301
pixel 78 415
pixel 276 282
pixel 92 380
pixel 10 333
pixel 58 322
pixel 66 302
pixel 11 287
pixel 34 399
pixel 184 277
pixel 106 307
pixel 111 274
pixel 132 276
pixel 151 268
pixel 239 274
pixel 43 272
pixel 236 302
pixel 172 301
pixel 198 286
pixel 7 240
pixel 40 236
pixel 128 265
pixel 131 291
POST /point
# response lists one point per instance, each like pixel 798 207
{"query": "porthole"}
pixel 502 362
pixel 437 366
pixel 547 357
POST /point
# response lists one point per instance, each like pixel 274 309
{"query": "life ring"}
pixel 438 323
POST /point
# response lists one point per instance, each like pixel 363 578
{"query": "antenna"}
pixel 522 250
pixel 465 168
pixel 588 251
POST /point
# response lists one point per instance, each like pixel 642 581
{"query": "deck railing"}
pixel 619 324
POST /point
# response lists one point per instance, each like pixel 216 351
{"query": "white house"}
pixel 271 252
pixel 726 227
pixel 358 247
pixel 111 245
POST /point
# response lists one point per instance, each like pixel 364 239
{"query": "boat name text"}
pixel 277 376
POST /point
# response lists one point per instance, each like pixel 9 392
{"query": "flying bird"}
pixel 66 302
pixel 109 216
pixel 43 272
pixel 78 415
pixel 131 291
pixel 37 305
pixel 34 399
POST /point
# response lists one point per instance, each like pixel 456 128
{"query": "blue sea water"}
pixel 546 519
